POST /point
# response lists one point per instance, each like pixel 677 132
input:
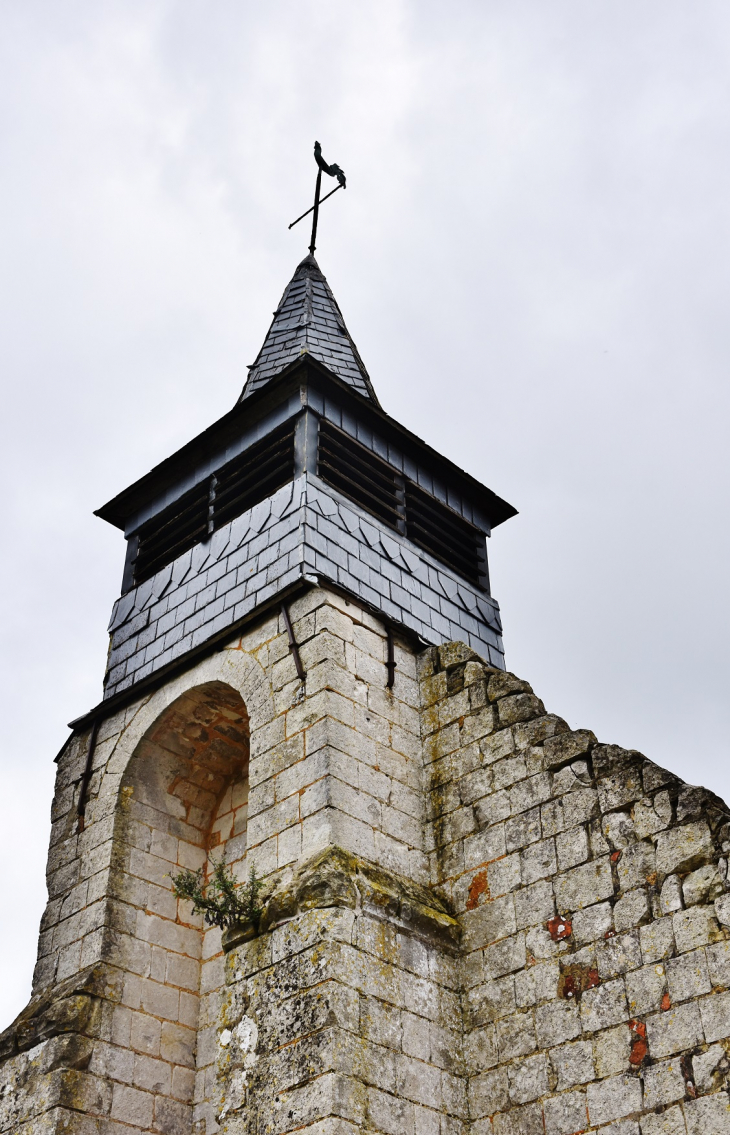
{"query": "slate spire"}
pixel 309 321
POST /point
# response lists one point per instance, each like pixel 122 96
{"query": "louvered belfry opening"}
pixel 172 532
pixel 358 474
pixel 234 488
pixel 446 535
pixel 361 475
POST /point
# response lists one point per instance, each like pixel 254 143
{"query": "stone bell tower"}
pixel 475 920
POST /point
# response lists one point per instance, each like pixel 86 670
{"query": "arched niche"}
pixel 183 797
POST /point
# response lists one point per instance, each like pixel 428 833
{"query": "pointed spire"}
pixel 308 321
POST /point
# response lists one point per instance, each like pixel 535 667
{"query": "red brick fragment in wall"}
pixel 575 979
pixel 559 928
pixel 615 856
pixel 639 1047
pixel 477 887
pixel 666 1002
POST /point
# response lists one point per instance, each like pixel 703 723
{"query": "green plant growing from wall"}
pixel 220 899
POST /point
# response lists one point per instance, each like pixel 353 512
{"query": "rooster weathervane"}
pixel 333 171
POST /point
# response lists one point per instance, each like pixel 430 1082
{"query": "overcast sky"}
pixel 531 254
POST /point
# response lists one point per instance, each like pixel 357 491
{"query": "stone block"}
pixel 632 909
pixel 516 708
pixel 611 1050
pixel 603 1006
pixel 618 828
pixel 709 1115
pixel 572 847
pixel 566 1114
pixel 621 1127
pixel 526 1120
pixel 505 956
pixel 645 989
pixel 528 1078
pixel 530 792
pixel 565 747
pixel 538 861
pixel 557 1022
pixel 687 976
pixel 573 1064
pixel 583 886
pixel 504 875
pixel 619 788
pixel 516 1036
pixel 663 1083
pixel 702 885
pixel 670 896
pixel 618 955
pixel 637 866
pixel 613 1098
pixel 718 960
pixel 534 905
pixel 657 940
pixel 708 1067
pixel 715 1013
pixel 592 923
pixel 132 1106
pixel 486 924
pixel 683 848
pixel 669 1122
pixel 694 927
pixel 488 1093
pixel 674 1030
pixel 481 1051
pixel 536 983
pixel 389 1114
pixel 523 829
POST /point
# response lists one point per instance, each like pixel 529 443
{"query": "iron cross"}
pixel 333 171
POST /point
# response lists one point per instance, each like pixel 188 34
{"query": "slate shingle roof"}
pixel 308 321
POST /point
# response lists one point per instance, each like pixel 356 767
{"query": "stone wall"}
pixel 591 886
pixel 474 917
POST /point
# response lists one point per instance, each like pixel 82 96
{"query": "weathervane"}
pixel 333 171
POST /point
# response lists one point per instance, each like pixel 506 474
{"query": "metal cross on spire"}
pixel 333 171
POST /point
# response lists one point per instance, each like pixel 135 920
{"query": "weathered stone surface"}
pixel 473 919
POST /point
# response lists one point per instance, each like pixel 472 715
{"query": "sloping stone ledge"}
pixel 72 1006
pixel 337 878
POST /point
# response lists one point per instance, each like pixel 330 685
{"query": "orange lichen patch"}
pixel 477 887
pixel 559 928
pixel 666 1002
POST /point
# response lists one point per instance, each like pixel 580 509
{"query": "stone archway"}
pixel 184 795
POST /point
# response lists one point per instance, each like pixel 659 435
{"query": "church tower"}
pixel 474 920
pixel 305 481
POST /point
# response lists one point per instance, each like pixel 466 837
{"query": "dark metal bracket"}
pixel 390 661
pixel 294 649
pixel 86 778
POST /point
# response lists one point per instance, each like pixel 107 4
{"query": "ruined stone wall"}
pixel 475 919
pixel 591 886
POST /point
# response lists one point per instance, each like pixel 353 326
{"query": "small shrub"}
pixel 221 900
